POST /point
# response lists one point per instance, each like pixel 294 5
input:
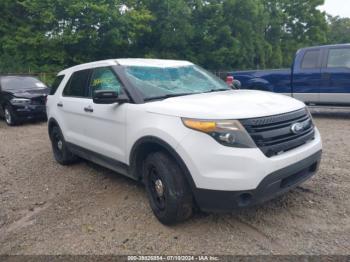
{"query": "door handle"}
pixel 60 104
pixel 88 109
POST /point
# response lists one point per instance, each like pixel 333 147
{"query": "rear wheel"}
pixel 10 117
pixel 60 149
pixel 168 192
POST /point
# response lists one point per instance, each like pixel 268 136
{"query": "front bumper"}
pixel 223 178
pixel 273 185
pixel 216 167
pixel 29 111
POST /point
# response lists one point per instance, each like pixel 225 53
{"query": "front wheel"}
pixel 60 149
pixel 10 117
pixel 168 192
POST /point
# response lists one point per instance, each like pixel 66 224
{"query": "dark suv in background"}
pixel 22 98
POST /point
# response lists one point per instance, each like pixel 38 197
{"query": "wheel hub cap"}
pixel 59 145
pixel 159 187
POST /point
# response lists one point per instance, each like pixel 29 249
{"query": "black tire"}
pixel 60 149
pixel 10 117
pixel 173 201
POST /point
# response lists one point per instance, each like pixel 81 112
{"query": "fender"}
pixel 157 143
pixel 259 84
pixel 51 123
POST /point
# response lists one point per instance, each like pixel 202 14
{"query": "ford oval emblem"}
pixel 297 128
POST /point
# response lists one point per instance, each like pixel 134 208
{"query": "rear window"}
pixel 311 59
pixel 21 83
pixel 78 84
pixel 56 84
pixel 339 58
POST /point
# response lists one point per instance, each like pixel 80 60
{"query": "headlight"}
pixel 20 101
pixel 226 132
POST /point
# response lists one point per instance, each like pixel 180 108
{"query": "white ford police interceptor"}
pixel 183 132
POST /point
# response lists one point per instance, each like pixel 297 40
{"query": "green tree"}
pixel 292 25
pixel 338 30
pixel 46 35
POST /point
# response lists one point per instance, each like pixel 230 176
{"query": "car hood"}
pixel 233 104
pixel 30 93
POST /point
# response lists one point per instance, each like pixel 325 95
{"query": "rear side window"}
pixel 56 84
pixel 339 58
pixel 78 84
pixel 311 59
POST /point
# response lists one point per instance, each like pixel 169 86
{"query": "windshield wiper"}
pixel 167 96
pixel 183 94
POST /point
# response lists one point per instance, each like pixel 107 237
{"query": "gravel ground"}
pixel 46 208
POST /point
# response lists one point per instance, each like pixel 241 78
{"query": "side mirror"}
pixel 108 97
pixel 236 84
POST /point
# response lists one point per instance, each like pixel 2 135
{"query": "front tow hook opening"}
pixel 245 199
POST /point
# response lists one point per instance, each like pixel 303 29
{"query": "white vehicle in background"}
pixel 183 132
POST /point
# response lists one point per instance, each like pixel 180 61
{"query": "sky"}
pixel 337 7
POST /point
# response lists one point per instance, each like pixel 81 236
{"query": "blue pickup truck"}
pixel 319 76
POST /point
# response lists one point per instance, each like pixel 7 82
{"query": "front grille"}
pixel 38 100
pixel 274 135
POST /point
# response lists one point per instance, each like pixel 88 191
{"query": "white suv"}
pixel 183 132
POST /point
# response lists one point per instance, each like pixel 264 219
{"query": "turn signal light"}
pixel 204 126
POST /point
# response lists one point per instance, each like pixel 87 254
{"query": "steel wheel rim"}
pixel 58 143
pixel 8 116
pixel 157 188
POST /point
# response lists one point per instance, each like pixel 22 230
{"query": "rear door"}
pixel 307 75
pixel 72 106
pixel 336 75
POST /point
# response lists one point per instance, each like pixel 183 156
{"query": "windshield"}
pixel 157 82
pixel 21 83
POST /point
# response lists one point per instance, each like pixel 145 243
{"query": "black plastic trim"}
pixel 132 170
pixel 273 134
pixel 164 145
pixel 272 120
pixel 99 159
pixel 50 123
pixel 131 90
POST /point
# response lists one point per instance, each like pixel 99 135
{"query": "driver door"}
pixel 106 125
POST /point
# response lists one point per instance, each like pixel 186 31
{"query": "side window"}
pixel 311 59
pixel 77 85
pixel 104 79
pixel 339 58
pixel 56 84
